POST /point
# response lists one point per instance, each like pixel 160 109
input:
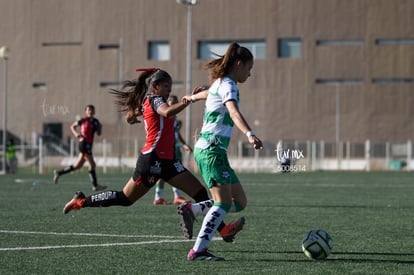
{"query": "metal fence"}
pixel 45 153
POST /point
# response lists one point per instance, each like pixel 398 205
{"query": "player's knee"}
pixel 240 206
pixel 201 195
pixel 123 199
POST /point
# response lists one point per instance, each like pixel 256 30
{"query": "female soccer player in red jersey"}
pixel 89 125
pixel 179 145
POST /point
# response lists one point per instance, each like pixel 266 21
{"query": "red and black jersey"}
pixel 160 130
pixel 88 127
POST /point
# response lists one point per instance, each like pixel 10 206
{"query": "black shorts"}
pixel 85 148
pixel 151 168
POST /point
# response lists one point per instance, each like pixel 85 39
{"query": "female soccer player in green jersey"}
pixel 210 152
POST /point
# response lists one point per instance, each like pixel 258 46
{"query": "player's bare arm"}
pixel 73 128
pixel 199 93
pixel 166 110
pixel 241 123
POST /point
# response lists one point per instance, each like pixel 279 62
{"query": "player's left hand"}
pixel 198 89
pixel 186 99
pixel 256 142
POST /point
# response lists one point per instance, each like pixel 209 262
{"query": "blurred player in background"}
pixel 179 145
pixel 89 125
pixel 11 156
pixel 210 151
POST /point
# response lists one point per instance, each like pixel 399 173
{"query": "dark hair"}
pixel 221 66
pixel 172 98
pixel 132 93
pixel 90 106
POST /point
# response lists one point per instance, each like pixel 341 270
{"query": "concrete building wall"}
pixel 57 66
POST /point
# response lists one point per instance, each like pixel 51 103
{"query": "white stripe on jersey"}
pixel 217 124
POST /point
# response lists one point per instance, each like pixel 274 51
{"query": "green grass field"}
pixel 369 215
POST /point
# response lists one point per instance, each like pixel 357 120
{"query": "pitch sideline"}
pixel 171 240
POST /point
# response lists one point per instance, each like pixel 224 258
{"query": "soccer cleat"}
pixel 203 255
pixel 230 230
pixel 186 219
pixel 180 200
pixel 55 176
pixel 98 187
pixel 75 203
pixel 161 202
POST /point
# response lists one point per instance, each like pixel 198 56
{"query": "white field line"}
pixel 88 245
pixel 84 234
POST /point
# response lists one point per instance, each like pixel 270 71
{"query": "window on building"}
pixel 339 81
pixel 52 132
pixel 108 46
pixel 210 49
pixel 110 84
pixel 383 81
pixel 289 47
pixel 61 44
pixel 388 42
pixel 159 50
pixel 339 42
pixel 39 85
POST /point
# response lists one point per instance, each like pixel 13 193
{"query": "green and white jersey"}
pixel 217 124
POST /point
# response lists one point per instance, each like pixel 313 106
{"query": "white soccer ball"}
pixel 317 244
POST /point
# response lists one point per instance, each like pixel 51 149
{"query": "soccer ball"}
pixel 317 244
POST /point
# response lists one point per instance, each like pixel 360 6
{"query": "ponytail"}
pixel 132 93
pixel 221 66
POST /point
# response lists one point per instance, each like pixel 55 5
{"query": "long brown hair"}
pixel 132 93
pixel 221 66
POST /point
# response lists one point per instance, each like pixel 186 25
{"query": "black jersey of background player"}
pixel 88 127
